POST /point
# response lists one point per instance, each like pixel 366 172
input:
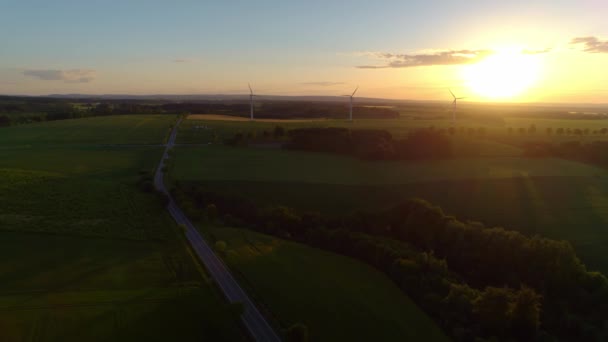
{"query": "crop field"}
pixel 277 165
pixel 57 288
pixel 124 129
pixel 83 191
pixel 336 297
pixel 84 254
pixel 552 197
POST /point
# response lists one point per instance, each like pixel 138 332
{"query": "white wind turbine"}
pixel 454 105
pixel 351 102
pixel 251 96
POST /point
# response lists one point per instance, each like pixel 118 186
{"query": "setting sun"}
pixel 504 75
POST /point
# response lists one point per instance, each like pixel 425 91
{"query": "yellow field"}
pixel 219 117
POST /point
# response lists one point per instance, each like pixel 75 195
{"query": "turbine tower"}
pixel 251 96
pixel 454 105
pixel 351 102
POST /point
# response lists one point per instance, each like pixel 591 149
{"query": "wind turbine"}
pixel 351 102
pixel 251 96
pixel 454 105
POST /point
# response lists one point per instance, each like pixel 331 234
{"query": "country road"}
pixel 254 321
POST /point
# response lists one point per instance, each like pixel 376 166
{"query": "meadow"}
pixel 336 297
pixel 84 253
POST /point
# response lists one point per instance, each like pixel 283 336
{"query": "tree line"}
pixel 24 110
pixel 371 144
pixel 473 280
pixel 558 131
pixel 594 152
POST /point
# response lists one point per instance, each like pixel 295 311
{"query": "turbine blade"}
pixel 250 90
pixel 454 96
pixel 355 91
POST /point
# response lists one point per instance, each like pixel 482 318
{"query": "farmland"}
pixel 552 197
pixel 106 130
pixel 206 128
pixel 113 261
pixel 329 293
pixel 57 288
pixel 85 254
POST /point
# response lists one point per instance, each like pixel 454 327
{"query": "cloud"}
pixel 322 84
pixel 536 52
pixel 592 44
pixel 68 76
pixel 446 57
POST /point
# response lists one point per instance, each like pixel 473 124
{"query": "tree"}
pixel 279 132
pixel 525 313
pixel 560 131
pixel 4 121
pixel 297 333
pixel 532 129
pixel 211 212
pixel 549 130
pixel 492 310
pixel 102 109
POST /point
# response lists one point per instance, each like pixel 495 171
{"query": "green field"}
pixel 552 197
pixel 76 190
pixel 84 254
pixel 124 129
pixel 57 288
pixel 337 298
pixel 277 165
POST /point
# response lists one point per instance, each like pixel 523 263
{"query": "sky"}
pixel 511 51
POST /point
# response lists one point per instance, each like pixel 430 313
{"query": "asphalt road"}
pixel 255 322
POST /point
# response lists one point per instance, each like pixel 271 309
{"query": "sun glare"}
pixel 504 75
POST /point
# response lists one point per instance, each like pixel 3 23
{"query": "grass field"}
pixel 84 254
pixel 124 129
pixel 552 197
pixel 338 298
